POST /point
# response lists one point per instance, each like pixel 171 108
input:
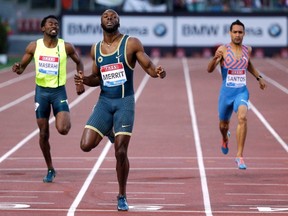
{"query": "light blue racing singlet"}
pixel 116 73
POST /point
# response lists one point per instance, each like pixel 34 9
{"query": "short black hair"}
pixel 237 22
pixel 46 18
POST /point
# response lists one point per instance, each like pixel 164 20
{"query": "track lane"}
pixel 164 169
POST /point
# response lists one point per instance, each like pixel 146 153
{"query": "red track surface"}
pixel 177 167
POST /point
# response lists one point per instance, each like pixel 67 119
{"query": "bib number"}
pixel 236 78
pixel 48 65
pixel 113 74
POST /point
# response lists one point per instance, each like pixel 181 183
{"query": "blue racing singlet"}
pixel 116 73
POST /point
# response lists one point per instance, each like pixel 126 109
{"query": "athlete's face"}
pixel 110 21
pixel 237 34
pixel 51 27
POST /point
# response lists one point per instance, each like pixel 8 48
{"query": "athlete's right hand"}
pixel 218 55
pixel 78 79
pixel 16 68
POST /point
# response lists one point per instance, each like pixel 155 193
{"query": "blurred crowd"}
pixel 23 17
pixel 177 5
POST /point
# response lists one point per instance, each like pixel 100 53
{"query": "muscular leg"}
pixel 63 123
pixel 241 131
pixel 90 139
pixel 122 162
pixel 43 125
pixel 224 127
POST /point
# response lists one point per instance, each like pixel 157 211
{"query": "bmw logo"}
pixel 275 30
pixel 160 30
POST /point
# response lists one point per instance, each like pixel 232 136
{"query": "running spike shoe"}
pixel 51 174
pixel 122 203
pixel 240 163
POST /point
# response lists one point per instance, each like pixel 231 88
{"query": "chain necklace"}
pixel 110 44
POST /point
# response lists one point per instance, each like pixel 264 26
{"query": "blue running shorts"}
pixel 116 113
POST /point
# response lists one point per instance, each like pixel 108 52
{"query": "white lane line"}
pixel 276 84
pixel 17 101
pixel 255 184
pixel 147 204
pixel 28 197
pixel 151 183
pixel 103 154
pixel 277 65
pixel 17 79
pixel 146 198
pixel 273 200
pixel 204 186
pixel 31 191
pixel 255 194
pixel 149 192
pixel 269 127
pixel 36 131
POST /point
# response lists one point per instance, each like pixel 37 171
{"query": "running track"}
pixel 177 167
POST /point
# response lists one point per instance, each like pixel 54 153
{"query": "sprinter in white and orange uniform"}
pixel 234 59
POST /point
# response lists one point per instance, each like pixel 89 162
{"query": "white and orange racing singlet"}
pixel 234 70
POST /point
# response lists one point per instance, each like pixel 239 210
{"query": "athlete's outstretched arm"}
pixel 19 67
pixel 136 47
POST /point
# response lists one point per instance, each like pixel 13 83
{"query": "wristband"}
pixel 259 77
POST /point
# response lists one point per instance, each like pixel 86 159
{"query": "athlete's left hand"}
pixel 262 84
pixel 160 72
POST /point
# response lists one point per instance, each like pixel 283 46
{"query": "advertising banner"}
pixel 152 31
pixel 211 31
pixel 169 31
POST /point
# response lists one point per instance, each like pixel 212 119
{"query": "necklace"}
pixel 110 44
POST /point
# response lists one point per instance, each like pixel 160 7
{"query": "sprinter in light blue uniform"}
pixel 234 59
pixel 114 59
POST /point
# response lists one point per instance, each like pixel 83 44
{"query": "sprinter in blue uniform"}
pixel 234 59
pixel 114 59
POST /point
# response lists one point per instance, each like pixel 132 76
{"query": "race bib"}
pixel 48 65
pixel 236 78
pixel 113 74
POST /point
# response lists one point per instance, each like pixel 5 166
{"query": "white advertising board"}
pixel 168 31
pixel 86 30
pixel 211 31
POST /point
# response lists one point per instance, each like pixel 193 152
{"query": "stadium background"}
pixel 166 28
